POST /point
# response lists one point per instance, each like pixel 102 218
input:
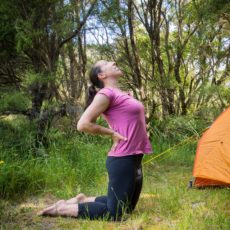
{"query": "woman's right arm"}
pixel 87 121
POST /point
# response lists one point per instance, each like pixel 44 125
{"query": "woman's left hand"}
pixel 116 138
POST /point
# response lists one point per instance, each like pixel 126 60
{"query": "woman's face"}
pixel 109 69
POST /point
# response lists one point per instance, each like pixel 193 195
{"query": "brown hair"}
pixel 95 82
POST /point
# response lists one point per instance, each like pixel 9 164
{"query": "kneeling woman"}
pixel 126 119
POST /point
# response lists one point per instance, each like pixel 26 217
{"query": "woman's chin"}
pixel 120 74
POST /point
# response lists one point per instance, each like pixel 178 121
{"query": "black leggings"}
pixel 125 183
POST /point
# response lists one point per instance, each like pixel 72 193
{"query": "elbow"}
pixel 80 127
pixel 85 127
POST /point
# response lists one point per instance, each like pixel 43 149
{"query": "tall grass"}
pixel 75 162
pixel 71 164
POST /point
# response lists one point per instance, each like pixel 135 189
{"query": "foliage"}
pixel 76 165
pixel 67 165
pixel 14 101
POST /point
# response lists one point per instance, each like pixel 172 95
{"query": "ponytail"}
pixel 91 94
pixel 92 91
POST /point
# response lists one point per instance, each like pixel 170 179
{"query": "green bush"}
pixel 71 164
pixel 17 135
pixel 14 101
pixel 177 128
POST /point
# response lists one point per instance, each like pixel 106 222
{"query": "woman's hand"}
pixel 116 138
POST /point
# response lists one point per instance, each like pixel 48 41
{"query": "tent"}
pixel 212 161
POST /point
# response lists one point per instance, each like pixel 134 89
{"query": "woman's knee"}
pixel 117 210
pixel 115 216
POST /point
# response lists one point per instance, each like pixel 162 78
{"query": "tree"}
pixel 41 29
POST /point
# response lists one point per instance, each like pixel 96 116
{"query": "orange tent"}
pixel 212 162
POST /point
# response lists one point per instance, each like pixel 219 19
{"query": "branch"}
pixel 16 112
pixel 81 24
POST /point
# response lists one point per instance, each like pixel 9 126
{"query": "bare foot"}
pixel 80 198
pixel 51 210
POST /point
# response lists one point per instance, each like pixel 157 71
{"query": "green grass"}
pixel 76 163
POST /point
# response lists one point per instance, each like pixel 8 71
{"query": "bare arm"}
pixel 89 117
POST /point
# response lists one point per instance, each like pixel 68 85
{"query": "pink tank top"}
pixel 126 115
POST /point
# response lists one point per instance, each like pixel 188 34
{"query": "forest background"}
pixel 175 58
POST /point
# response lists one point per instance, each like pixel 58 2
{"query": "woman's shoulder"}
pixel 109 92
pixel 106 90
pixel 115 94
pixel 114 90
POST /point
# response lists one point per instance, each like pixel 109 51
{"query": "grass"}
pixel 75 164
pixel 165 202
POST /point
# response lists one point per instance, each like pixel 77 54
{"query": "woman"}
pixel 126 119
